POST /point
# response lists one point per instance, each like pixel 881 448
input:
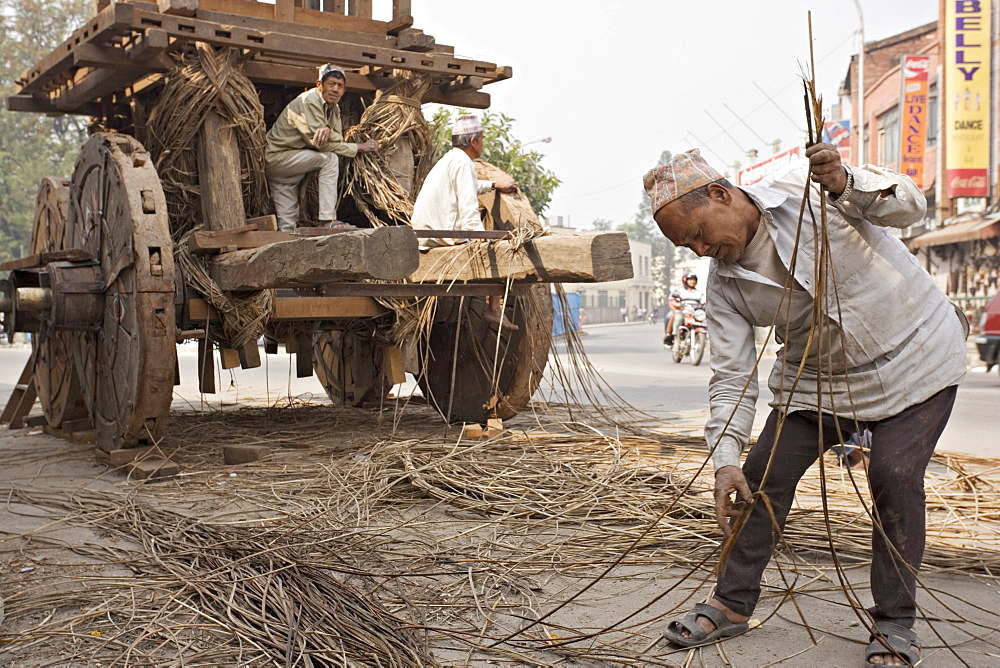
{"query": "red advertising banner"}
pixel 915 83
pixel 768 166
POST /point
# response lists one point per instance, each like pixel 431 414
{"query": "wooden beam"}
pixel 386 253
pixel 39 105
pixel 178 7
pixel 450 289
pixel 400 22
pixel 113 19
pixel 579 258
pixel 146 55
pixel 408 39
pixel 308 23
pixel 42 259
pixel 248 236
pixel 300 308
pixel 462 84
pixel 314 48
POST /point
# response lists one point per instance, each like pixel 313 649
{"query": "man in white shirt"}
pixel 886 354
pixel 448 199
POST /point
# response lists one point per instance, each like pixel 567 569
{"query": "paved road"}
pixel 631 359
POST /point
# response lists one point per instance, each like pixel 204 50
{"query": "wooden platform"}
pixel 129 41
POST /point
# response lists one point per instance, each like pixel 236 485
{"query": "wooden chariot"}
pixel 107 290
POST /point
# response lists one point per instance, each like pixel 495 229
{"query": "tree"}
pixel 602 224
pixel 503 150
pixel 32 146
pixel 663 251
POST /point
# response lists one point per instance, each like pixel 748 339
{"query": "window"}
pixel 602 298
pixel 888 138
pixel 932 115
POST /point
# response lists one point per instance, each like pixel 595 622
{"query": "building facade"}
pixel 930 110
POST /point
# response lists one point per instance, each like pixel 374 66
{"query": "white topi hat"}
pixel 331 70
pixel 467 124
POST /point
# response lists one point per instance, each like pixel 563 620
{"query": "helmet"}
pixel 690 274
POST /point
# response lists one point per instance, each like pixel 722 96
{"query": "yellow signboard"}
pixel 965 104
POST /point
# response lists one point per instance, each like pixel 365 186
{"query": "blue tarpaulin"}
pixel 572 314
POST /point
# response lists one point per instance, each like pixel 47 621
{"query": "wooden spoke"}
pixel 118 214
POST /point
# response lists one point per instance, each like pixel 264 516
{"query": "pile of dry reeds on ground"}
pixel 394 543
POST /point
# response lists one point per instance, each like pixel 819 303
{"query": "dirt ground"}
pixel 97 569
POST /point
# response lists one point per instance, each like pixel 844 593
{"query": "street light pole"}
pixel 543 140
pixel 861 159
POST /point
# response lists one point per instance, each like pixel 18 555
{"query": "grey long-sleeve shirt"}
pixel 894 338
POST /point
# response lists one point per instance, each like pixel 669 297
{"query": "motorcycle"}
pixel 692 336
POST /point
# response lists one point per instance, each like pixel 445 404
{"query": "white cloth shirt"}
pixel 448 198
pixel 899 341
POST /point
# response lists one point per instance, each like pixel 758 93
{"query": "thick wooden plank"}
pixel 303 354
pixel 279 73
pixel 400 22
pixel 318 49
pixel 301 308
pixel 40 105
pixel 42 259
pixel 387 253
pixel 122 456
pixel 578 258
pixel 200 242
pixel 152 468
pixel 213 241
pixel 308 23
pixel 206 366
pixel 450 289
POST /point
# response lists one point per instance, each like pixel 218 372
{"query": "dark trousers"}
pixel 901 447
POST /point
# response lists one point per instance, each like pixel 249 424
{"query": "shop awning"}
pixel 981 227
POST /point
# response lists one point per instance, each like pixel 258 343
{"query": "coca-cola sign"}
pixel 967 183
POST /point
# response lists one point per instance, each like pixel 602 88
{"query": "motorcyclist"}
pixel 688 296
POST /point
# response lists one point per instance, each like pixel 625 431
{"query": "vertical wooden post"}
pixel 360 8
pixel 400 8
pixel 284 10
pixel 222 193
pixel 335 6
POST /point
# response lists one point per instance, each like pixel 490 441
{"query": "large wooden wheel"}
pixel 350 365
pixel 55 375
pixel 119 215
pixel 471 372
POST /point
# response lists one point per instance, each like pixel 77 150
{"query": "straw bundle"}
pixel 210 79
pixel 381 181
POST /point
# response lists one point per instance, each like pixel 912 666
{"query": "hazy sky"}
pixel 616 83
